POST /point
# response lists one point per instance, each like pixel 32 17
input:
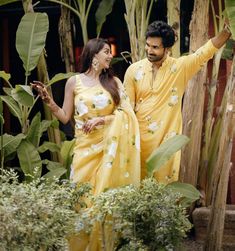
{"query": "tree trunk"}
pixel 194 98
pixel 173 15
pixel 215 227
pixel 66 42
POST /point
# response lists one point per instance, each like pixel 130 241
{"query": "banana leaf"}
pixel 30 160
pixel 1 119
pixel 228 50
pixel 7 90
pixel 56 170
pixel 230 9
pixel 53 147
pixel 23 95
pixel 104 9
pixel 34 131
pixel 13 106
pixel 61 76
pixel 67 152
pixel 3 2
pixel 47 123
pixel 30 39
pixel 189 192
pixel 1 112
pixel 164 152
pixel 10 143
pixel 5 76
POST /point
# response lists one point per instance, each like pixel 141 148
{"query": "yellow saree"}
pixel 109 156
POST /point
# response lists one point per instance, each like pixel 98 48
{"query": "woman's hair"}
pixel 162 30
pixel 106 77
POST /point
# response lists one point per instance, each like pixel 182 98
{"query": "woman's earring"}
pixel 95 64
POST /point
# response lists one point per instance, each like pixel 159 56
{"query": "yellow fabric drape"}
pixel 107 157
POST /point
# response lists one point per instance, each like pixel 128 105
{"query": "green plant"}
pixel 30 41
pixel 82 10
pixel 164 152
pixel 1 137
pixel 137 19
pixel 149 217
pixel 38 215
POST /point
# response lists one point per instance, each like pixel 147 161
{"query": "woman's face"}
pixel 104 57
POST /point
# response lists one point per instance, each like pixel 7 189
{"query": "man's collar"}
pixel 149 65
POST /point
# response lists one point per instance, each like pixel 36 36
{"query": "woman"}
pixel 106 153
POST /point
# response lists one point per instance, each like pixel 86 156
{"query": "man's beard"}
pixel 155 58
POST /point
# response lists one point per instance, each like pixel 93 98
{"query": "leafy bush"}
pixel 146 218
pixel 37 215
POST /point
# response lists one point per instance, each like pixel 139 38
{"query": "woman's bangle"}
pixel 54 107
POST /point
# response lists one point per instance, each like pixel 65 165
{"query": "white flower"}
pixel 169 135
pixel 100 101
pixel 78 124
pixel 126 126
pixel 108 165
pixel 139 74
pixel 96 147
pixel 153 126
pixel 174 100
pixel 126 174
pixel 81 108
pixel 71 172
pixel 79 226
pixel 112 149
pixel 172 134
pixel 85 153
pixel 173 68
pixel 137 142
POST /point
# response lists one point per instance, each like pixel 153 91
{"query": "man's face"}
pixel 154 49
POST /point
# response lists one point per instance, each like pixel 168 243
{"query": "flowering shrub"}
pixel 146 218
pixel 37 215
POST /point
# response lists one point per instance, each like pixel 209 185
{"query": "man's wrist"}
pixel 227 29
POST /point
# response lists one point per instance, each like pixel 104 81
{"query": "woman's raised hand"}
pixel 42 91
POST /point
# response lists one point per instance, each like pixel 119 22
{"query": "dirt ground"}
pixel 190 244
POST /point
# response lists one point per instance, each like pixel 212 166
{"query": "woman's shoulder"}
pixel 72 81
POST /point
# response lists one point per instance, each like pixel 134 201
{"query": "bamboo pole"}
pixel 194 97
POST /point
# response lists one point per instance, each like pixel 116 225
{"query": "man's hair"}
pixel 162 30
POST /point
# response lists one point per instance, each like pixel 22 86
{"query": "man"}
pixel 156 86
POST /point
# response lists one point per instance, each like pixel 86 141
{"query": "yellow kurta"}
pixel 109 156
pixel 157 102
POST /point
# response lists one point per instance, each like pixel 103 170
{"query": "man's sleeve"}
pixel 129 84
pixel 194 62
